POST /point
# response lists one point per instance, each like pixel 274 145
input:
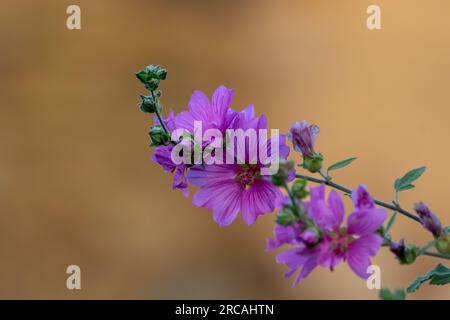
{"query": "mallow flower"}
pixel 228 189
pixel 355 243
pixel 214 114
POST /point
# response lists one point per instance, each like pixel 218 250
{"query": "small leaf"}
pixel 440 275
pixel 405 182
pixel 340 164
pixel 386 294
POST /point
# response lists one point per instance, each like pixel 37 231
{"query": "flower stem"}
pixel 437 255
pixel 158 114
pixel 394 215
pixel 346 190
pixel 291 196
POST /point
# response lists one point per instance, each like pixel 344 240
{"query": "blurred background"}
pixel 76 182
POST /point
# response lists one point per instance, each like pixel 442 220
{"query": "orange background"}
pixel 76 182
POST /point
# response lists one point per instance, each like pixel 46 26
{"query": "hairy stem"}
pixel 158 114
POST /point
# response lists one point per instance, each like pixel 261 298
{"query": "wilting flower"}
pixel 428 219
pixel 354 243
pixel 406 254
pixel 232 188
pixel 303 137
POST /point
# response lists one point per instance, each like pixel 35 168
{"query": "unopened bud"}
pixel 406 254
pixel 428 219
pixel 313 163
pixel 158 136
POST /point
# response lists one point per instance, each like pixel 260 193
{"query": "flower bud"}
pixel 284 171
pixel 310 237
pixel 299 189
pixel 303 137
pixel 428 219
pixel 443 243
pixel 313 163
pixel 406 254
pixel 151 76
pixel 148 104
pixel 158 136
pixel 285 217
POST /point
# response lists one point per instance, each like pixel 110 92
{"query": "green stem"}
pixel 291 196
pixel 158 114
pixel 394 215
pixel 437 255
pixel 424 250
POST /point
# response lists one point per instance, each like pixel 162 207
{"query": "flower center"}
pixel 247 175
pixel 340 241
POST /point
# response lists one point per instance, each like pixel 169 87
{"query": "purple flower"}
pixel 303 137
pixel 215 114
pixel 354 243
pixel 232 188
pixel 285 235
pixel 428 219
pixel 162 156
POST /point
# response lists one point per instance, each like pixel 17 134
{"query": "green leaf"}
pixel 386 294
pixel 340 164
pixel 440 275
pixel 405 182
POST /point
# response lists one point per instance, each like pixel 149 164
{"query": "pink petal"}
pixel 359 252
pixel 260 198
pixel 224 198
pixel 317 193
pixel 199 105
pixel 337 207
pixel 322 215
pixel 361 198
pixel 209 174
pixel 329 259
pixel 221 100
pixel 364 222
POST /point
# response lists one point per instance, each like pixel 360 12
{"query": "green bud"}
pixel 298 189
pixel 313 163
pixel 158 136
pixel 280 178
pixel 443 243
pixel 151 76
pixel 406 254
pixel 148 104
pixel 285 217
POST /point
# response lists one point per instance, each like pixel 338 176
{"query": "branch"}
pixel 339 187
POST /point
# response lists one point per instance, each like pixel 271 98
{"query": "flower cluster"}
pixel 318 237
pixel 226 189
pixel 310 220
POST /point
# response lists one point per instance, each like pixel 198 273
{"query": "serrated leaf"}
pixel 386 294
pixel 340 164
pixel 405 182
pixel 440 275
